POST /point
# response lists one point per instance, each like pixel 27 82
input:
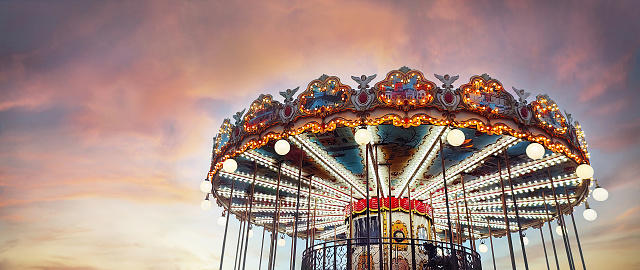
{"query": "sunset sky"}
pixel 108 109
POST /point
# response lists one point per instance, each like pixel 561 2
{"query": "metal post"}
pixel 544 247
pixel 433 210
pixel 368 208
pixel 389 223
pixel 261 248
pixel 226 226
pixel 468 212
pixel 309 211
pixel 493 256
pixel 276 215
pixel 253 189
pixel 565 237
pixel 555 253
pixel 458 227
pixel 378 188
pixel 515 205
pixel 506 217
pixel 566 192
pixel 295 222
pixel 446 197
pixel 413 245
pixel 240 244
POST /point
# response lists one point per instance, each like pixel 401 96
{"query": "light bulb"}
pixel 250 233
pixel 525 240
pixel 584 171
pixel 363 136
pixel 455 137
pixel 221 221
pixel 281 242
pixel 600 194
pixel 559 230
pixel 535 151
pixel 205 186
pixel 205 205
pixel 282 147
pixel 230 165
pixel 589 214
pixel 483 248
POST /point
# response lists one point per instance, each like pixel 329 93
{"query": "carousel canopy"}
pixel 408 119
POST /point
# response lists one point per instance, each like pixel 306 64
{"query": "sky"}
pixel 108 109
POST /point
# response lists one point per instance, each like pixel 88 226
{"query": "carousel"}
pixel 403 173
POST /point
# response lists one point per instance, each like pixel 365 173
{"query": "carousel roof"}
pixel 408 118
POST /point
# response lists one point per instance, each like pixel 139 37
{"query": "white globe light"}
pixel 590 214
pixel 205 186
pixel 282 147
pixel 535 151
pixel 559 230
pixel 281 242
pixel 221 221
pixel 363 136
pixel 230 165
pixel 584 171
pixel 250 233
pixel 455 137
pixel 600 194
pixel 483 248
pixel 525 240
pixel 205 205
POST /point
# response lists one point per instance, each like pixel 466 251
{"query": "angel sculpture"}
pixel 238 116
pixel 363 81
pixel 521 94
pixel 569 118
pixel 447 80
pixel 288 95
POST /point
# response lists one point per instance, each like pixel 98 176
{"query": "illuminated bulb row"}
pixel 328 163
pixel 417 167
pixel 328 187
pixel 226 192
pixel 469 163
pixel 269 183
pixel 517 170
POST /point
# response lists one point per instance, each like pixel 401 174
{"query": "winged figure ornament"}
pixel 446 79
pixel 521 94
pixel 288 95
pixel 363 81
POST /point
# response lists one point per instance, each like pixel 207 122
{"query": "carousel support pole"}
pixel 349 250
pixel 389 224
pixel 459 231
pixel 566 192
pixel 309 210
pixel 472 243
pixel 261 248
pixel 515 206
pixel 226 226
pixel 506 218
pixel 276 215
pixel 380 203
pixel 413 245
pixel 493 256
pixel 546 209
pixel 565 237
pixel 433 225
pixel 253 189
pixel 240 243
pixel 368 208
pixel 295 222
pixel 544 247
pixel 446 197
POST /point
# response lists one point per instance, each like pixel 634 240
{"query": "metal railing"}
pixel 407 254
